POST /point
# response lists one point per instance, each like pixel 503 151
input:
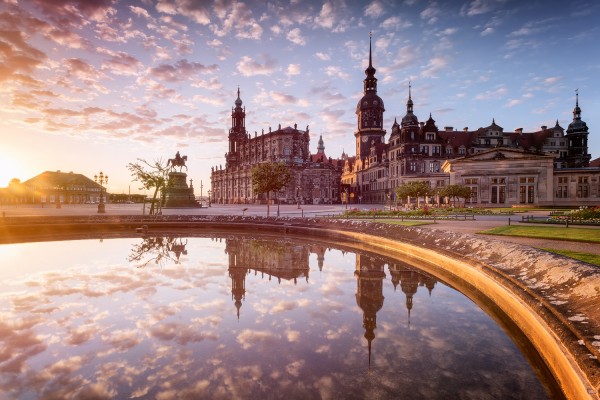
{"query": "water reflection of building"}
pixel 370 274
pixel 276 259
pixel 369 293
pixel 409 280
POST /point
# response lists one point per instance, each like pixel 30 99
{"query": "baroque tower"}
pixel 369 111
pixel 237 133
pixel 577 137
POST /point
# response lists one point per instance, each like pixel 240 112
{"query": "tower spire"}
pixel 370 39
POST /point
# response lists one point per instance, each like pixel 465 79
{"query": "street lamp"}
pixel 102 180
pixel 298 195
pixel 209 192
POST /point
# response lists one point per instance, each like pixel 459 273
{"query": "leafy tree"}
pixel 269 177
pixel 153 175
pixel 14 181
pixel 414 189
pixel 455 191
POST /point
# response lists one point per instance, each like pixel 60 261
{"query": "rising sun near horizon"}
pixel 93 86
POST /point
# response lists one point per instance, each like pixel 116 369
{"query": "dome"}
pixel 410 119
pixel 370 101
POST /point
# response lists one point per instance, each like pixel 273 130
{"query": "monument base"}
pixel 178 194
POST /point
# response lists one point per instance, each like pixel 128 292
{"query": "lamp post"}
pixel 57 201
pixel 102 180
pixel 209 192
pixel 298 195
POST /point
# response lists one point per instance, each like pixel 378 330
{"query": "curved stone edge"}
pixel 553 299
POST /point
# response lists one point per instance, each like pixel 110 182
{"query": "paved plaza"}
pixel 481 222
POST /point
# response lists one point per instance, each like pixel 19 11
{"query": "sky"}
pixel 93 85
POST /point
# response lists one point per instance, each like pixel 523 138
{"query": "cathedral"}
pixel 547 167
pixel 315 177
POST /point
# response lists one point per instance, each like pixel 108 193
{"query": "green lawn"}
pixel 548 232
pixel 585 257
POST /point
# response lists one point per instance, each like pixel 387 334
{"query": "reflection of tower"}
pixel 409 280
pixel 369 293
pixel 320 253
pixel 237 275
pixel 282 260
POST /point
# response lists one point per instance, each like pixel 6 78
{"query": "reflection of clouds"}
pixel 294 368
pixel 114 331
pixel 180 333
pixel 248 338
pixel 292 336
pixel 282 306
pixel 123 339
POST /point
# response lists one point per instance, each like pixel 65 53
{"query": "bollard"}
pixel 509 221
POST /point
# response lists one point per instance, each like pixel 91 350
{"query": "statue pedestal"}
pixel 178 194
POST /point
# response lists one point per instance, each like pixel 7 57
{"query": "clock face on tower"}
pixel 364 139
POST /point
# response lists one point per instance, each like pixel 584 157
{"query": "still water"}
pixel 242 318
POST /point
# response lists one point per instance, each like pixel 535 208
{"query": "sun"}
pixel 9 169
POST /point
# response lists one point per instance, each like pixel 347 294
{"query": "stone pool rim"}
pixel 552 299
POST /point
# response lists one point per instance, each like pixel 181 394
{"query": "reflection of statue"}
pixel 157 249
pixel 178 161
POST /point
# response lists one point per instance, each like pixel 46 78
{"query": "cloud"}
pixel 337 72
pixel 182 70
pixel 487 31
pixel 322 56
pixel 295 36
pixel 140 12
pixel 293 69
pixel 431 13
pixel 478 7
pixel 435 65
pixel 395 22
pixel 236 16
pixel 121 63
pixel 513 102
pixel 249 67
pixel 498 92
pixel 375 9
pixel 197 11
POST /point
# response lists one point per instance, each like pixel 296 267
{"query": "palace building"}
pixel 315 177
pixel 547 167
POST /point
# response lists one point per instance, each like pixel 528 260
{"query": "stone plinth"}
pixel 178 194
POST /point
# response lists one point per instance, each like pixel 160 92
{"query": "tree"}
pixel 455 191
pixel 413 189
pixel 150 176
pixel 268 177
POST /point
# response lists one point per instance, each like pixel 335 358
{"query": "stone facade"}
pixel 315 178
pixel 554 163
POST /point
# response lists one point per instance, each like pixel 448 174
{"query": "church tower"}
pixel 369 111
pixel 237 133
pixel 577 137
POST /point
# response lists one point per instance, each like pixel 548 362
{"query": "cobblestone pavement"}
pixel 481 223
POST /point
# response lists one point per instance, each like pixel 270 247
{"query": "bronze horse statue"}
pixel 178 161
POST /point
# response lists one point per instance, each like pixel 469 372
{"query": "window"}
pixel 424 149
pixel 583 187
pixel 434 166
pixel 413 166
pixel 527 190
pixel 498 193
pixel 462 150
pixel 472 183
pixel 449 150
pixel 430 137
pixel 436 150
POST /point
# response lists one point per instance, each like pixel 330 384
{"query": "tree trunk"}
pixel 268 202
pixel 152 207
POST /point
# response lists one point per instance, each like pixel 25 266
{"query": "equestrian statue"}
pixel 178 161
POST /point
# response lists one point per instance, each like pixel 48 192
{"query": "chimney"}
pixel 448 128
pixel 544 127
pixel 519 130
pixel 466 129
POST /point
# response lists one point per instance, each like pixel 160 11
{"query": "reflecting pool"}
pixel 243 317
